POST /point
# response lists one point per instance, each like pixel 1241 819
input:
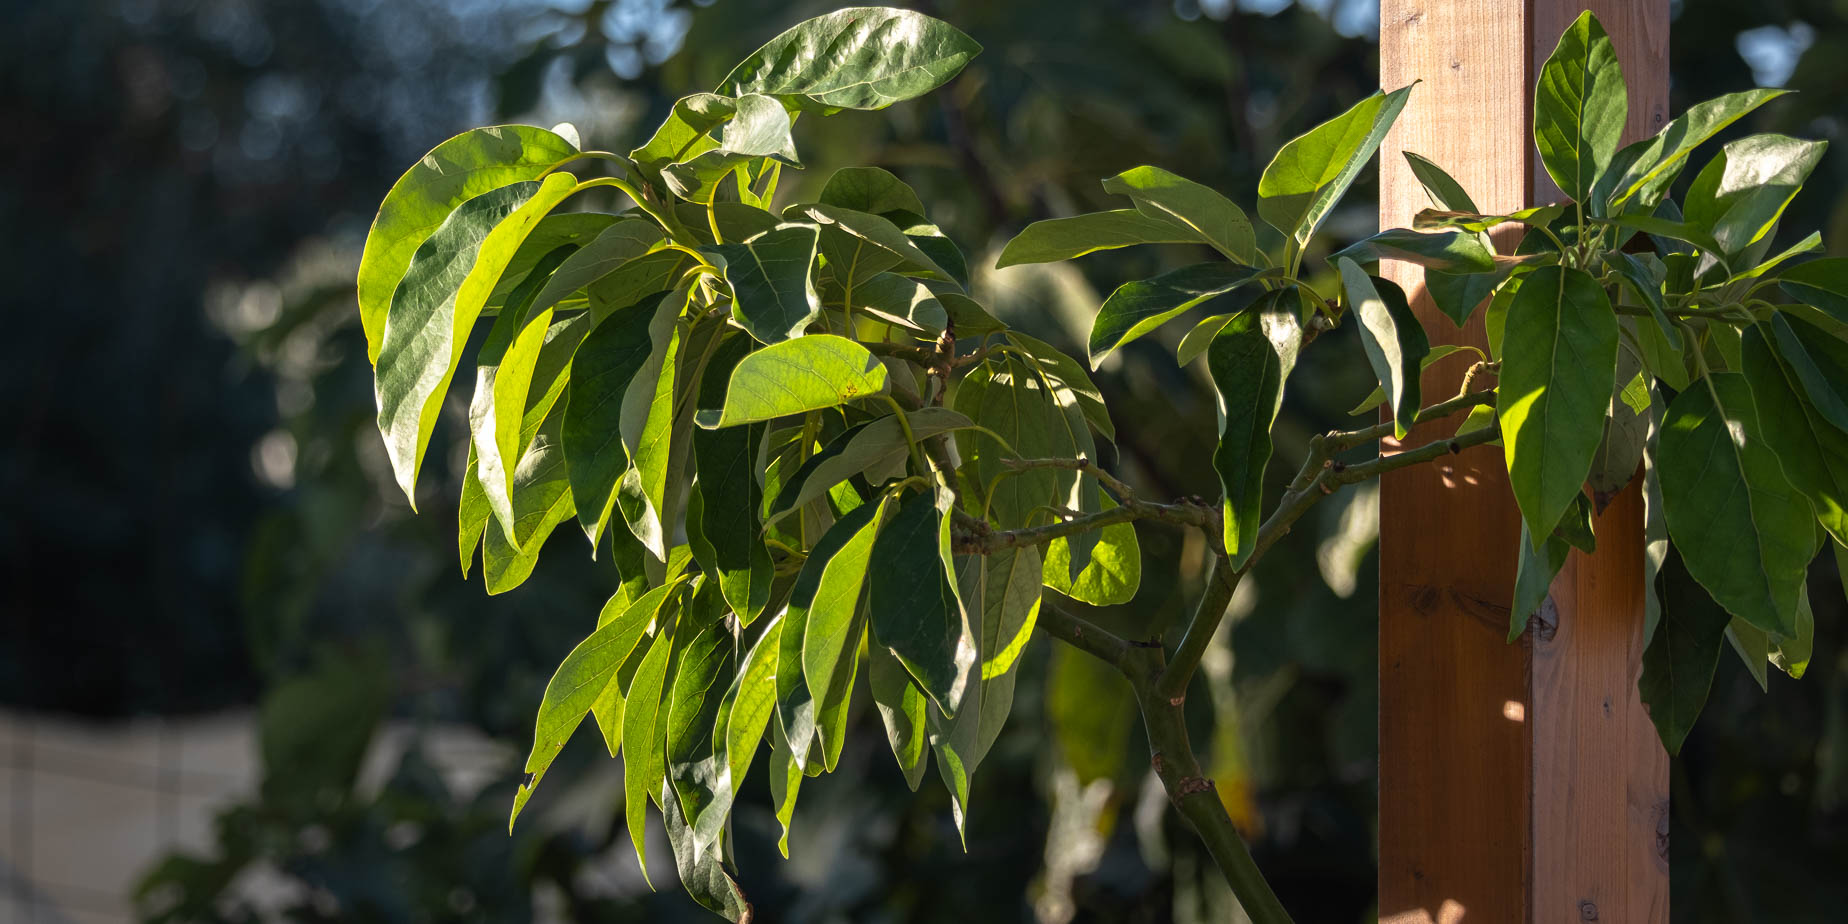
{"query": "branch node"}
pixel 1177 701
pixel 1190 785
pixel 1159 762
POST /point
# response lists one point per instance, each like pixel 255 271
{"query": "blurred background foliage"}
pixel 199 514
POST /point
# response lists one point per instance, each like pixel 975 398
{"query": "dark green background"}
pixel 186 187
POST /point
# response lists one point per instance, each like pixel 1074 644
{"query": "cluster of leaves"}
pixel 810 453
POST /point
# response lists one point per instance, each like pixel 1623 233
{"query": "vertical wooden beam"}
pixel 1518 782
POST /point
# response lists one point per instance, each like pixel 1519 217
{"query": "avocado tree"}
pixel 812 455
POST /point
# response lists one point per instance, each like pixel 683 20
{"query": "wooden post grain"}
pixel 1518 782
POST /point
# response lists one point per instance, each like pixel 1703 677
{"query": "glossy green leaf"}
pixel 730 497
pixel 472 513
pixel 1250 360
pixel 606 364
pixel 1197 340
pixel 1679 663
pixel 1436 219
pixel 1812 454
pixel 1057 239
pixel 1393 338
pixel 874 447
pixel 1820 363
pixel 857 58
pixel 1626 429
pixel 703 872
pixel 1069 379
pixel 541 500
pixel 1136 308
pixel 1740 194
pixel 1822 284
pixel 913 608
pixel 1646 285
pixel 1310 174
pixel 826 600
pixel 687 131
pixel 870 190
pixel 1449 251
pixel 1556 387
pixel 805 374
pixel 967 316
pixel 901 705
pixel 759 128
pixel 646 425
pixel 644 727
pixel 900 300
pixel 1211 218
pixel 772 282
pixel 1721 479
pixel 588 677
pixel 1445 192
pixel 1005 396
pixel 859 245
pixel 610 251
pixel 1579 107
pixel 743 718
pixel 703 669
pixel 421 201
pixel 1657 160
pixel 934 243
pixel 1377 396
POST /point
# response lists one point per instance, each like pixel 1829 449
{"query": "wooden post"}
pixel 1518 782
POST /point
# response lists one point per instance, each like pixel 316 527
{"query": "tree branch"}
pixel 974 538
pixel 1221 581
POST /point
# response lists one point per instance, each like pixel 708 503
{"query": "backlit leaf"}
pixel 1211 218
pixel 1250 360
pixel 1056 239
pixel 1394 340
pixel 804 374
pixel 1311 173
pixel 1579 107
pixel 1136 308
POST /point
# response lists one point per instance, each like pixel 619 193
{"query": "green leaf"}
pixel 1063 374
pixel 425 330
pixel 931 239
pixel 730 497
pixel 870 190
pixel 805 374
pixel 901 706
pixel 1197 340
pixel 541 500
pixel 759 128
pixel 472 513
pixel 859 245
pixel 703 670
pixel 900 300
pixel 1310 174
pixel 1740 194
pixel 1822 284
pixel 1743 532
pixel 1057 239
pixel 1812 454
pixel 772 282
pixel 914 609
pixel 1626 429
pixel 1005 396
pixel 1792 654
pixel 644 726
pixel 1445 192
pixel 1556 387
pixel 1679 663
pixel 1113 573
pixel 1377 397
pixel 1753 647
pixel 875 446
pixel 687 131
pixel 1394 340
pixel 587 679
pixel 1250 360
pixel 1537 563
pixel 743 717
pixel 858 58
pixel 1211 218
pixel 1656 161
pixel 827 599
pixel 605 365
pixel 647 424
pixel 1448 251
pixel 1820 363
pixel 613 250
pixel 967 316
pixel 785 780
pixel 703 872
pixel 1136 308
pixel 454 172
pixel 1538 216
pixel 1579 107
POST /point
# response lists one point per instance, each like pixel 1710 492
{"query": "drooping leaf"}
pixel 870 190
pixel 1678 665
pixel 901 705
pixel 1812 454
pixel 1536 566
pixel 1454 252
pixel 1739 196
pixel 772 281
pixel 606 364
pixel 726 524
pixel 743 717
pixel 704 665
pixel 588 677
pixel 1377 396
pixel 1647 287
pixel 1753 646
pixel 1057 239
pixel 785 782
pixel 1556 387
pixel 1721 479
pixel 900 300
pixel 1579 107
pixel 1209 217
pixel 1626 429
pixel 805 374
pixel 1250 360
pixel 612 250
pixel 913 607
pixel 759 128
pixel 1656 162
pixel 703 872
pixel 1197 340
pixel 646 425
pixel 1394 340
pixel 827 600
pixel 463 168
pixel 1822 284
pixel 1310 174
pixel 644 727
pixel 858 58
pixel 1005 396
pixel 1069 382
pixel 541 500
pixel 1136 308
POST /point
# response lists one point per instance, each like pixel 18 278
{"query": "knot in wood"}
pixel 1588 911
pixel 1546 620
